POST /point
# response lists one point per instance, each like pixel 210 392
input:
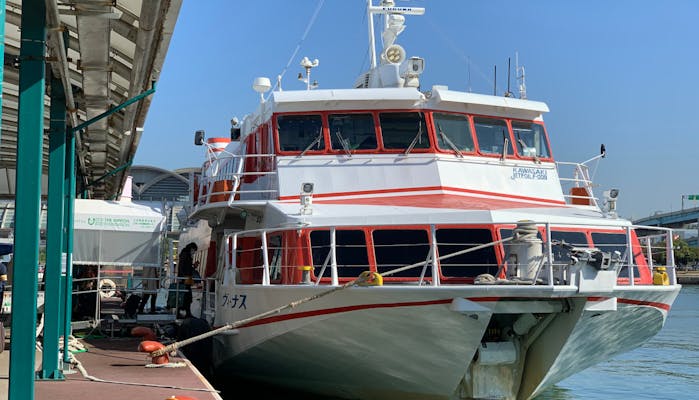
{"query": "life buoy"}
pixel 107 288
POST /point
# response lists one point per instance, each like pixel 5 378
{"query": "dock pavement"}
pixel 688 277
pixel 112 368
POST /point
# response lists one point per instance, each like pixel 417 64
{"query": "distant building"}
pixel 171 188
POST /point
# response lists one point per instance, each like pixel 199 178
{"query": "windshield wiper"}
pixel 523 145
pixel 417 137
pixel 505 144
pixel 448 141
pixel 343 143
pixel 315 142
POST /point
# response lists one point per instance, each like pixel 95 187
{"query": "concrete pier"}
pixel 688 277
pixel 114 369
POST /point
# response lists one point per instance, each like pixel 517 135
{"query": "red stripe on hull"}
pixel 338 310
pixel 437 200
pixel 663 306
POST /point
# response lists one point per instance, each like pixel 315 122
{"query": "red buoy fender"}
pixel 181 398
pixel 144 332
pixel 150 346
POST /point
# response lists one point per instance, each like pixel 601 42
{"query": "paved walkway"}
pixel 113 369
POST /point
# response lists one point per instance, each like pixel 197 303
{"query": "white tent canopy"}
pixel 117 232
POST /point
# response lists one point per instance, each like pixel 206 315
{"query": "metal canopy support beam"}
pixel 28 199
pixel 66 285
pixel 67 276
pixel 115 109
pixel 2 51
pixel 54 236
pixel 108 174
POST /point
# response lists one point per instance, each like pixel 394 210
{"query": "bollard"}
pixel 150 346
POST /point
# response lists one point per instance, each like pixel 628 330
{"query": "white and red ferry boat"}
pixel 494 271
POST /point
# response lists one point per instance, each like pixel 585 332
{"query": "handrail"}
pixel 549 267
pixel 223 176
pixel 580 178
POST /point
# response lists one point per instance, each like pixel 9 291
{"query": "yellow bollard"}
pixel 660 276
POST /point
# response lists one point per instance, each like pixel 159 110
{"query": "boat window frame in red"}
pixel 479 150
pixel 550 158
pixel 434 130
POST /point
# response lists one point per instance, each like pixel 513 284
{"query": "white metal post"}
pixel 629 250
pixel 435 266
pixel 333 258
pixel 265 261
pixel 669 249
pixel 549 254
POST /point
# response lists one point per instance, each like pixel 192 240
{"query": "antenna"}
pixel 308 65
pixel 519 73
pixel 508 93
pixel 495 80
pixel 468 74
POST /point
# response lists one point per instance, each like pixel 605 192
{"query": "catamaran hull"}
pixel 426 343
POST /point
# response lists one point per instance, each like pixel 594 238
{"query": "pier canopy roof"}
pixel 115 51
pixel 118 232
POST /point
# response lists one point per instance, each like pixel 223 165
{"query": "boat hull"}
pixel 426 342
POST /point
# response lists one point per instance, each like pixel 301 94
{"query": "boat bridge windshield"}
pixel 409 131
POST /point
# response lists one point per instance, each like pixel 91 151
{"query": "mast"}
pixel 519 74
pixel 387 7
pixel 372 45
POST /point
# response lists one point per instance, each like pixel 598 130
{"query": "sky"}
pixel 620 73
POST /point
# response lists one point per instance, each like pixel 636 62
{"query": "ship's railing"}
pixel 576 183
pixel 634 261
pixel 226 179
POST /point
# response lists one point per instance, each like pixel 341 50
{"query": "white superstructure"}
pixel 486 268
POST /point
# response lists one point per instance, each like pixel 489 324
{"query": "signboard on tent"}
pixel 117 233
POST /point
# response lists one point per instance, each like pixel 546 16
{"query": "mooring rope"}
pixel 75 362
pixel 174 346
pixel 363 277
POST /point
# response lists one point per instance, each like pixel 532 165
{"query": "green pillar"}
pixel 54 233
pixel 67 273
pixel 2 49
pixel 27 199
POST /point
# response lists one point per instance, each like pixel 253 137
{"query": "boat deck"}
pixel 114 369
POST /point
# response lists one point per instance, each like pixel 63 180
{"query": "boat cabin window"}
pixel 274 257
pixel 350 253
pixel 300 132
pixel 470 264
pixel 403 130
pixel 492 134
pixel 609 242
pixel 530 139
pixel 401 247
pixel 352 131
pixel 561 254
pixel 453 132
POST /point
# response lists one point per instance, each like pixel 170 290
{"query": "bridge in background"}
pixel 685 221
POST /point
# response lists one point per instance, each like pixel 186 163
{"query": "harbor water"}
pixel 664 368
